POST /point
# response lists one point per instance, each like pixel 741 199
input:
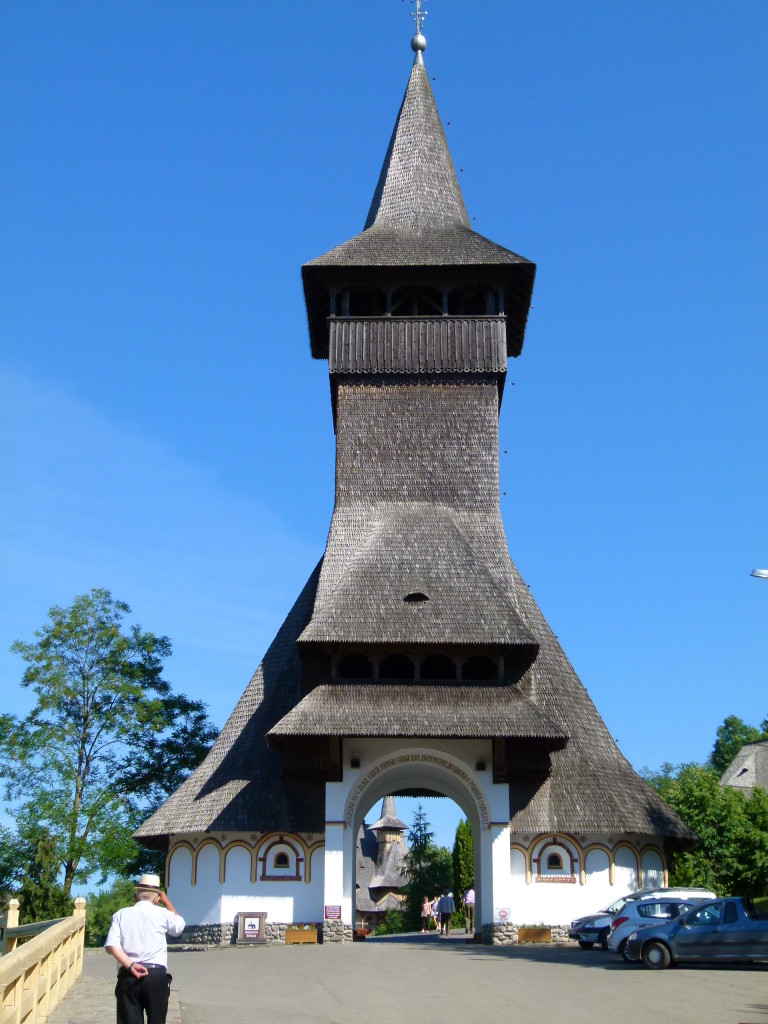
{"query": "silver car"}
pixel 637 914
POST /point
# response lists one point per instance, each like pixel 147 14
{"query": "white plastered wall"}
pixel 597 870
pixel 212 878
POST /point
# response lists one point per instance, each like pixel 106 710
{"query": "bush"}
pixel 393 923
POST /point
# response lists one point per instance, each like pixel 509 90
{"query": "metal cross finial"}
pixel 418 15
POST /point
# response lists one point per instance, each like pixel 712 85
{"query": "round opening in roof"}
pixel 415 598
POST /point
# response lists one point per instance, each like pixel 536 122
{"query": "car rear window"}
pixel 657 910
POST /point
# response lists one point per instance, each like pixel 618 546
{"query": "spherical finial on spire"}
pixel 418 43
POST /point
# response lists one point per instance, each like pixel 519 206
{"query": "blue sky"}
pixel 167 168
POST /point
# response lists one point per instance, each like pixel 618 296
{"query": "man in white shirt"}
pixel 137 940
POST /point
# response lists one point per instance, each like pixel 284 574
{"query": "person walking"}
pixel 426 914
pixel 446 907
pixel 469 911
pixel 137 940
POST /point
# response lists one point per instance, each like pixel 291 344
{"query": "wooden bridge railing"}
pixel 35 976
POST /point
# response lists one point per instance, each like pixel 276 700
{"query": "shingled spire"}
pixel 417 191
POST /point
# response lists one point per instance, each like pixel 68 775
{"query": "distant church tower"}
pixel 415 659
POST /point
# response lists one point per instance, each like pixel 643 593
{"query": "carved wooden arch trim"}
pixel 585 852
pixel 181 844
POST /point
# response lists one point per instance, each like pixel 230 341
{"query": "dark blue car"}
pixel 724 929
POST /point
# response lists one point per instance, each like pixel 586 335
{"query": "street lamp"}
pixel 761 574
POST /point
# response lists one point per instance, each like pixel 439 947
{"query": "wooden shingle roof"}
pixel 428 710
pixel 418 576
pixel 417 219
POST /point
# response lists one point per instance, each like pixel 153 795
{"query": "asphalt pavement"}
pixel 425 979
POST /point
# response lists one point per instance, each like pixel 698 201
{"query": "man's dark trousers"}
pixel 135 996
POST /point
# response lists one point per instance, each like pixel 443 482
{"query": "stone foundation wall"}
pixel 207 934
pixel 337 931
pixel 509 934
pixel 226 934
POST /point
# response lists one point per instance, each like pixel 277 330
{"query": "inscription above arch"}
pixel 417 759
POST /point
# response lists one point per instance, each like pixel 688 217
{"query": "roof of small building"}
pixel 749 768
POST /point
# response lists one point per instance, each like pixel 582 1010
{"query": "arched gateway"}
pixel 415 658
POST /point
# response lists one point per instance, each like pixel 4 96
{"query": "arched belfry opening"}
pixel 415 659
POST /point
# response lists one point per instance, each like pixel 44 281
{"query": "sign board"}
pixel 501 914
pixel 250 927
pixel 332 913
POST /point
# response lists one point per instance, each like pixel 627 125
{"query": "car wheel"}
pixel 603 940
pixel 656 955
pixel 623 951
pixel 586 945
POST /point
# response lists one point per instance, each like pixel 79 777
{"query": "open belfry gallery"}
pixel 415 660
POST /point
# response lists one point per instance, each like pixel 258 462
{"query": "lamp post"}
pixel 762 574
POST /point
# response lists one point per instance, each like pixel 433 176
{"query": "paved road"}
pixel 427 980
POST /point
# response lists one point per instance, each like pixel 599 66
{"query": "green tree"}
pixel 731 737
pixel 11 866
pixel 106 740
pixel 41 895
pixel 463 859
pixel 429 869
pixel 732 855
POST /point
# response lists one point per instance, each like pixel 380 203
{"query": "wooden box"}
pixel 300 936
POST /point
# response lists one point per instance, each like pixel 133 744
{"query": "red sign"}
pixel 332 913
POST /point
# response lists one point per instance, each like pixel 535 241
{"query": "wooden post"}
pixel 11 921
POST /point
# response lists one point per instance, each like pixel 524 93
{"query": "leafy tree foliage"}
pixel 463 859
pixel 106 741
pixel 731 737
pixel 11 867
pixel 732 857
pixel 430 870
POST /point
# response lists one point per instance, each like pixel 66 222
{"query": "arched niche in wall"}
pixel 518 865
pixel 280 859
pixel 238 867
pixel 625 872
pixel 597 866
pixel 178 870
pixel 207 865
pixel 652 866
pixel 555 860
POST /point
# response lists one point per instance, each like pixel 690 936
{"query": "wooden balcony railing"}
pixel 35 976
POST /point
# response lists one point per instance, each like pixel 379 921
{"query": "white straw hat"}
pixel 149 882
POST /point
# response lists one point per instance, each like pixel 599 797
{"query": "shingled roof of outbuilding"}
pixel 749 768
